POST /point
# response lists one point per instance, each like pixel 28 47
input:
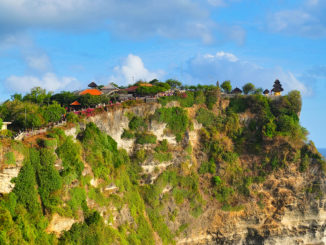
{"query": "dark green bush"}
pixel 72 117
pixel 25 190
pixel 137 123
pixel 207 167
pixel 127 134
pixel 162 147
pixel 211 97
pixel 145 138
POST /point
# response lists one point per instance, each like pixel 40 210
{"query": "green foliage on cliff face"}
pixel 206 118
pixel 101 151
pixel 9 158
pixel 42 190
pixel 70 154
pixel 52 180
pixel 184 187
pixel 127 134
pixel 176 119
pixel 225 137
pixel 145 138
pixel 137 123
pixel 25 187
pixel 48 178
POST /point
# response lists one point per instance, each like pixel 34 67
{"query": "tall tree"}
pixel 226 86
pixel 248 88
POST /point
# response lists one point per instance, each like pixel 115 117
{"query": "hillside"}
pixel 195 168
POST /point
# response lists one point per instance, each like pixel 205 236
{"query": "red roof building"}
pixel 130 89
pixel 75 103
pixel 91 91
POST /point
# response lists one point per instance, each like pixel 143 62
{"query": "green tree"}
pixel 226 86
pixel 53 112
pixel 295 100
pixel 25 189
pixel 1 123
pixel 65 98
pixel 173 83
pixel 88 100
pixel 248 88
pixel 17 97
pixel 38 95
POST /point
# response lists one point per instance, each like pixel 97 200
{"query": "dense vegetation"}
pixel 89 179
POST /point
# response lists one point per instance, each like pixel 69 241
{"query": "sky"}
pixel 64 45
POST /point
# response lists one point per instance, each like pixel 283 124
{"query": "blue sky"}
pixel 63 45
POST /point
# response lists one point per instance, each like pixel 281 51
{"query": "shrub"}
pixel 127 134
pixel 269 129
pixel 238 104
pixel 217 180
pixel 77 197
pixel 48 179
pixel 304 163
pixel 10 158
pixel 72 117
pixel 25 190
pixel 141 155
pixel 162 147
pixel 53 112
pixel 207 167
pixel 206 117
pixel 145 138
pixel 69 152
pixel 137 123
pixel 163 157
pixel 211 97
pixel 176 119
pixel 200 97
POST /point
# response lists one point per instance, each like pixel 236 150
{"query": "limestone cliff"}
pixel 219 177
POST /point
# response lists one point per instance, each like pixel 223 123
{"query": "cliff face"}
pixel 289 215
pixel 207 187
pixel 113 123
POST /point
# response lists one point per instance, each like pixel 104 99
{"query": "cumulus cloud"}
pixel 227 66
pixel 137 19
pixel 307 20
pixel 131 70
pixel 49 81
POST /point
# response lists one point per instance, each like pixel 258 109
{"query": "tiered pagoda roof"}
pixel 277 87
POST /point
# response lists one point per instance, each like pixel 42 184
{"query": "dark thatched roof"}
pixel 266 91
pixel 92 85
pixel 236 91
pixel 277 87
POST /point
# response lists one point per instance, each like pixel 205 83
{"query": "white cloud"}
pixel 39 62
pixel 49 81
pixel 131 70
pixel 308 20
pixel 227 66
pixel 132 19
pixel 221 3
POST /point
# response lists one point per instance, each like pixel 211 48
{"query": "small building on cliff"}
pixel 277 88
